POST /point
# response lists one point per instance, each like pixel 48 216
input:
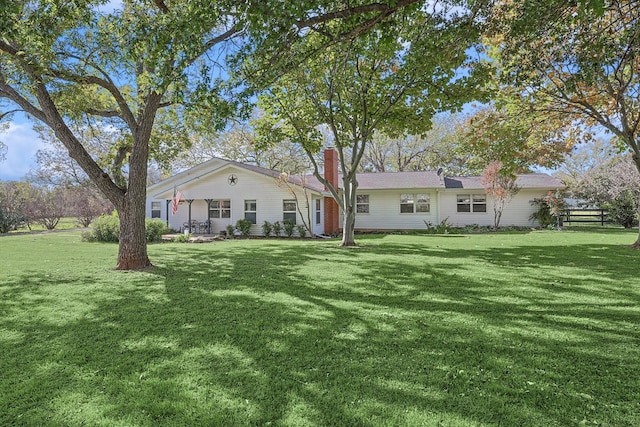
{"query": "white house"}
pixel 219 192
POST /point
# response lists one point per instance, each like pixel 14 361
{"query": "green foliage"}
pixel 288 227
pixel 106 228
pixel 244 225
pixel 443 228
pixel 231 230
pixel 9 220
pixel 267 229
pixel 277 228
pixel 550 209
pixel 623 209
pixel 155 228
pixel 182 238
pixel 302 231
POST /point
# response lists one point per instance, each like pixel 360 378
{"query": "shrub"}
pixel 9 219
pixel 244 225
pixel 288 226
pixel 443 228
pixel 154 229
pixel 550 209
pixel 106 228
pixel 267 228
pixel 623 209
pixel 230 230
pixel 302 231
pixel 277 228
pixel 181 238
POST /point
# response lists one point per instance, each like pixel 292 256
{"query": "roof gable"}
pixel 216 164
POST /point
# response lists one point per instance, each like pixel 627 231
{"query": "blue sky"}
pixel 21 140
pixel 22 144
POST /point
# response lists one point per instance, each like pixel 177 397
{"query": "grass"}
pixel 529 329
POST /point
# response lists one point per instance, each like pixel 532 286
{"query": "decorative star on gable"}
pixel 232 179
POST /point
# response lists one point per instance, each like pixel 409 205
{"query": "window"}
pixel 250 210
pixel 220 209
pixel 156 210
pixel 422 203
pixel 472 203
pixel 414 203
pixel 318 212
pixel 406 203
pixel 362 203
pixel 289 210
pixel 479 202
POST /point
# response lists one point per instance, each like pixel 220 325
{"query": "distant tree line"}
pixel 23 204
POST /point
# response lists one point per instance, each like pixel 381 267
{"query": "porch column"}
pixel 208 215
pixel 190 227
pixel 168 203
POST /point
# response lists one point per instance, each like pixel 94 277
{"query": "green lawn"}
pixel 531 329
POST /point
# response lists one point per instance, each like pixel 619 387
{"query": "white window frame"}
pixel 251 210
pixel 288 213
pixel 418 203
pixel 474 201
pixel 156 212
pixel 362 204
pixel 318 211
pixel 220 209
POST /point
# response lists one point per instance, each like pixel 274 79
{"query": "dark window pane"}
pixel 406 208
pixel 464 208
pixel 250 216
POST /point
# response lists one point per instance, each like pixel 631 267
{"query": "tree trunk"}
pixel 132 250
pixel 348 227
pixel 636 160
pixel 132 253
pixel 636 245
pixel 349 212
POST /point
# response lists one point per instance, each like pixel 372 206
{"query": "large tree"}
pixel 575 61
pixel 439 147
pixel 63 61
pixel 238 143
pixel 510 133
pixel 393 81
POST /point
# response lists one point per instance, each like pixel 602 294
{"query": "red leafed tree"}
pixel 500 186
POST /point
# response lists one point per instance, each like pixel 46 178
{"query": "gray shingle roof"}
pixel 532 180
pixel 398 180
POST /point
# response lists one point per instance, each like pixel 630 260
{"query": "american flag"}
pixel 176 200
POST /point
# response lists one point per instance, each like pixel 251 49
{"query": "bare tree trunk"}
pixel 497 214
pixel 349 222
pixel 132 250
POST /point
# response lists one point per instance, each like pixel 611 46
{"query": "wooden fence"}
pixel 586 215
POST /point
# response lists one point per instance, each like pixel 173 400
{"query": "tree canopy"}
pixel 392 80
pixel 147 69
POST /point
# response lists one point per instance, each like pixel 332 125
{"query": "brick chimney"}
pixel 331 208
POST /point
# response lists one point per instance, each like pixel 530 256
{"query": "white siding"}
pixel 318 228
pixel 384 211
pixel 516 212
pixel 250 186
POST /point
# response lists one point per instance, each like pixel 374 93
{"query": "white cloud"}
pixel 22 144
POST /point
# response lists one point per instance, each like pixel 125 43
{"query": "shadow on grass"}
pixel 392 333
